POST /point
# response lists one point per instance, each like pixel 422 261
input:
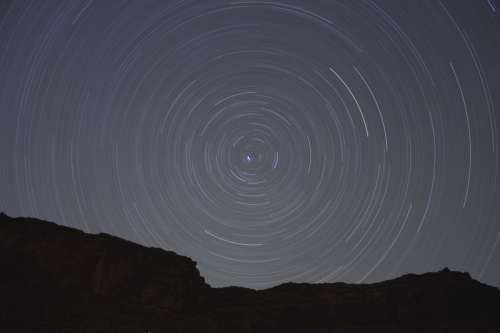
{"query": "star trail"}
pixel 270 141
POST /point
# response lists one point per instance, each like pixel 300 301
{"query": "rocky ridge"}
pixel 59 279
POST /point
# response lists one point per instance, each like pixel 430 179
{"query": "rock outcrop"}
pixel 58 279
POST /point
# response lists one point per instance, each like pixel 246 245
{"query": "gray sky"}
pixel 269 141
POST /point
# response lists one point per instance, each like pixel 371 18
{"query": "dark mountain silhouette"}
pixel 58 279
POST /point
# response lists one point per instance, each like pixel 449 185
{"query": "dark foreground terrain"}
pixel 58 279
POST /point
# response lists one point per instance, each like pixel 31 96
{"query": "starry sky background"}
pixel 270 141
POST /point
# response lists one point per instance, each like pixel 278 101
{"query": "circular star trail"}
pixel 269 141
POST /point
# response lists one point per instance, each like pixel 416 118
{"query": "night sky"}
pixel 281 141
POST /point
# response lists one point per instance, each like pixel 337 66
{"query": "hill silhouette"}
pixel 59 279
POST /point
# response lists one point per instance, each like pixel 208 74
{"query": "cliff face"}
pixel 58 279
pixel 100 265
